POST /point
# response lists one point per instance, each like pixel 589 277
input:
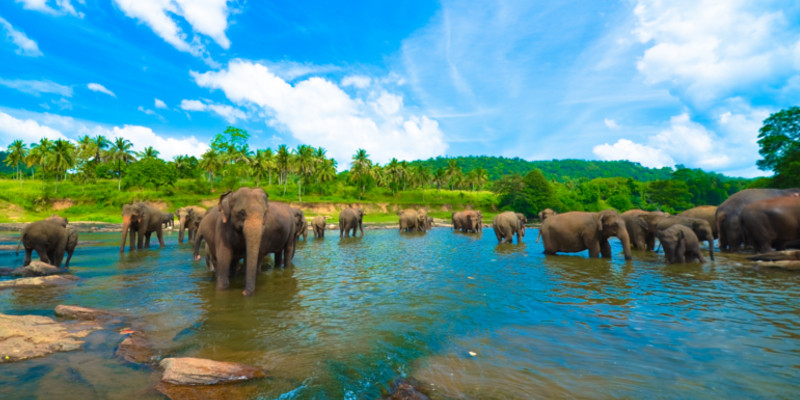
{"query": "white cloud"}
pixel 37 88
pixel 361 82
pixel 611 124
pixel 25 46
pixel 714 49
pixel 62 7
pixel 227 112
pixel 96 87
pixel 27 130
pixel 318 112
pixel 625 149
pixel 141 137
pixel 208 17
pixel 160 104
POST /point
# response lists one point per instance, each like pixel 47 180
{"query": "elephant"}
pixel 578 230
pixel 141 219
pixel 189 219
pixel 206 231
pixel 507 224
pixel 727 215
pixel 771 223
pixel 302 225
pixel 523 220
pixel 707 213
pixel 318 225
pixel 281 233
pixel 543 216
pixel 351 219
pixel 412 220
pixel 49 237
pixel 700 227
pixel 641 226
pixel 468 221
pixel 72 243
pixel 680 244
pixel 168 220
pixel 239 232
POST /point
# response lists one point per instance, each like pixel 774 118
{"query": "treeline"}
pixel 229 163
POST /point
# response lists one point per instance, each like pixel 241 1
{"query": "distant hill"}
pixel 560 170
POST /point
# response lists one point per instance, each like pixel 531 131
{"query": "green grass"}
pixel 101 201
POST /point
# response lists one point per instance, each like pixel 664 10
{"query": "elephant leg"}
pixel 160 235
pixel 594 249
pixel 140 239
pixel 28 253
pixel 69 257
pixel 289 253
pixel 147 239
pixel 132 239
pixel 42 252
pixel 223 268
pixel 699 257
pixel 278 259
pixel 605 249
pixel 650 239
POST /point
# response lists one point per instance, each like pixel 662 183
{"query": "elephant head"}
pixel 522 221
pixel 704 232
pixel 131 218
pixel 648 221
pixel 243 215
pixel 609 223
pixel 478 221
pixel 546 213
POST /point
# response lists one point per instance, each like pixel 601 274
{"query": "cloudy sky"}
pixel 653 81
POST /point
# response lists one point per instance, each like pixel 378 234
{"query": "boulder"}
pixel 404 390
pixel 82 313
pixel 198 371
pixel 227 392
pixel 30 336
pixel 38 268
pixel 135 349
pixel 38 282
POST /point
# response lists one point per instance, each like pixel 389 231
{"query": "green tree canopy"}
pixel 779 142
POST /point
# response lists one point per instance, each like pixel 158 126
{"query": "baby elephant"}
pixel 680 244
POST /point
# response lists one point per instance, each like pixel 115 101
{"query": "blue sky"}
pixel 657 82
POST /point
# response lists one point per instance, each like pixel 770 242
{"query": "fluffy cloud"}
pixel 96 87
pixel 318 112
pixel 625 149
pixel 25 46
pixel 209 18
pixel 611 124
pixel 61 7
pixel 28 130
pixel 715 49
pixel 230 113
pixel 141 137
pixel 160 104
pixel 361 82
pixel 37 88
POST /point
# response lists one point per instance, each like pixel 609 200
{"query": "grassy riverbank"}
pixel 101 201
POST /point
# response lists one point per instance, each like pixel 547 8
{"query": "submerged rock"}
pixel 38 282
pixel 37 268
pixel 135 349
pixel 404 390
pixel 83 313
pixel 30 336
pixel 198 371
pixel 228 392
pixel 776 256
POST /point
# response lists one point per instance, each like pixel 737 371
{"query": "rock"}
pixel 198 371
pixel 82 313
pixel 135 349
pixel 776 256
pixel 38 268
pixel 38 282
pixel 791 265
pixel 404 390
pixel 30 336
pixel 228 392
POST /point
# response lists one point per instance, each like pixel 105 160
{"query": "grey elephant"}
pixel 351 219
pixel 641 226
pixel 680 244
pixel 470 221
pixel 708 213
pixel 318 225
pixel 189 220
pixel 543 216
pixel 700 227
pixel 72 243
pixel 507 224
pixel 48 237
pixel 727 216
pixel 206 233
pixel 280 233
pixel 772 223
pixel 577 231
pixel 302 224
pixel 411 220
pixel 168 219
pixel 141 220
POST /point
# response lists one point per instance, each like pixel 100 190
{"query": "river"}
pixel 462 315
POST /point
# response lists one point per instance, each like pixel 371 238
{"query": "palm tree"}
pixel 453 173
pixel 395 172
pixel 148 152
pixel 360 168
pixel 39 156
pixel 210 161
pixel 121 152
pixel 259 165
pixel 420 176
pixel 481 176
pixel 282 160
pixel 17 152
pixel 439 177
pixel 325 172
pixel 62 158
pixel 304 166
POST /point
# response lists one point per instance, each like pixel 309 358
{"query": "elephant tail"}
pixel 18 243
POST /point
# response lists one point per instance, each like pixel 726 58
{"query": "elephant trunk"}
pixel 126 224
pixel 253 230
pixel 181 227
pixel 711 247
pixel 626 243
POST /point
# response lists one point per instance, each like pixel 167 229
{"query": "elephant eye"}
pixel 242 213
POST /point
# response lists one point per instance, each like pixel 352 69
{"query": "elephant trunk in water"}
pixel 252 231
pixel 711 247
pixel 181 227
pixel 126 224
pixel 626 242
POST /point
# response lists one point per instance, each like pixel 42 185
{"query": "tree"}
pixel 17 152
pixel 453 173
pixel 148 152
pixel 325 172
pixel 210 161
pixel 304 166
pixel 39 156
pixel 361 169
pixel 62 158
pixel 282 160
pixel 121 153
pixel 259 165
pixel 779 142
pixel 150 172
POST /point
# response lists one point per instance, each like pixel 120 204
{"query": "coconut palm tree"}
pixel 62 158
pixel 17 152
pixel 439 178
pixel 39 156
pixel 395 173
pixel 259 165
pixel 303 165
pixel 420 176
pixel 121 152
pixel 210 161
pixel 148 152
pixel 325 172
pixel 282 161
pixel 360 169
pixel 453 173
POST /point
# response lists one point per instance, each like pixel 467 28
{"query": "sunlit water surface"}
pixel 464 316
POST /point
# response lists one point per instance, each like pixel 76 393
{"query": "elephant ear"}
pixel 225 206
pixel 600 223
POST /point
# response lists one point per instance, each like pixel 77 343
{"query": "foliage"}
pixel 779 144
pixel 150 172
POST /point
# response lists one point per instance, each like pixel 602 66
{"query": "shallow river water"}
pixel 465 317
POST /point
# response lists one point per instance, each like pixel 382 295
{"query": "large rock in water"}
pixel 83 313
pixel 30 336
pixel 38 282
pixel 198 371
pixel 38 268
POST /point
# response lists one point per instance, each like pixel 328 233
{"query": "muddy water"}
pixel 468 318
